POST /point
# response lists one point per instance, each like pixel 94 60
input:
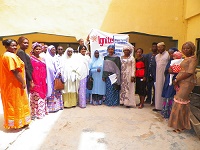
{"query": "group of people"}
pixel 173 79
pixel 28 92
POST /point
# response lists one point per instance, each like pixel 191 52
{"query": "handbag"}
pixel 58 84
pixel 89 84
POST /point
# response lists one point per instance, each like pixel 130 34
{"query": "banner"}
pixel 101 40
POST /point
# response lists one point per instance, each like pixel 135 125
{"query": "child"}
pixel 175 64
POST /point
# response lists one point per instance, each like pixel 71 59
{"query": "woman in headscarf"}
pixel 127 96
pixel 54 97
pixel 185 82
pixel 69 76
pixel 112 66
pixel 13 88
pixel 24 43
pixel 168 90
pixel 99 87
pixel 38 101
pixel 83 71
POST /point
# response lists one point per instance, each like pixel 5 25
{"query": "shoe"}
pixel 141 106
pixel 33 117
pixel 138 104
pixel 147 102
pixel 152 104
pixel 156 109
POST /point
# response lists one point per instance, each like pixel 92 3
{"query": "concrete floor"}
pixel 98 128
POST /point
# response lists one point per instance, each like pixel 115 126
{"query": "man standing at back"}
pixel 81 43
pixel 151 74
pixel 162 59
pixel 59 51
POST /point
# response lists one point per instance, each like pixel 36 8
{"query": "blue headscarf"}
pixel 96 62
pixel 111 46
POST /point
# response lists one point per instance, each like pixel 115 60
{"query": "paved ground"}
pixel 98 128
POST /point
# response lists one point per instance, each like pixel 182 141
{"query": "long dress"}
pixel 82 71
pixel 14 98
pixel 180 114
pixel 28 67
pixel 54 97
pixel 99 87
pixel 38 101
pixel 167 93
pixel 161 63
pixel 69 76
pixel 127 96
pixel 112 65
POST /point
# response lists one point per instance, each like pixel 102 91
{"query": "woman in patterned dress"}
pixel 38 101
pixel 127 93
pixel 54 97
pixel 112 65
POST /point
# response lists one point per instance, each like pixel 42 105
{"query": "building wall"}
pixel 193 30
pixel 164 17
pixel 172 18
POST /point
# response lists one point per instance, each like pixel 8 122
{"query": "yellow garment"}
pixel 14 98
pixel 70 99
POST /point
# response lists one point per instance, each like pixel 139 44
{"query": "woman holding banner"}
pixel 111 71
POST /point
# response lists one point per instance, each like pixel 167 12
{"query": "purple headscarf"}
pixel 49 50
pixel 34 45
pixel 51 70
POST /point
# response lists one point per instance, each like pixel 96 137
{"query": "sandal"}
pixel 178 130
pixel 141 106
pixel 138 104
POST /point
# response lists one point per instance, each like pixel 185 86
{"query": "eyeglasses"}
pixel 60 49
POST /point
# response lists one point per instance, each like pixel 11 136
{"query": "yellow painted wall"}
pixel 193 30
pixel 172 18
pixel 157 17
pixel 63 17
pixel 192 8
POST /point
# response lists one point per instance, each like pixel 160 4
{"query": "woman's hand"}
pixel 104 79
pixel 132 79
pixel 144 79
pixel 32 84
pixel 23 85
pixel 98 70
pixel 59 75
pixel 170 70
pixel 175 82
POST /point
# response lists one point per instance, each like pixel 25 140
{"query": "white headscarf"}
pixel 68 64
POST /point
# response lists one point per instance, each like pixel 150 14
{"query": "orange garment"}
pixel 14 98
